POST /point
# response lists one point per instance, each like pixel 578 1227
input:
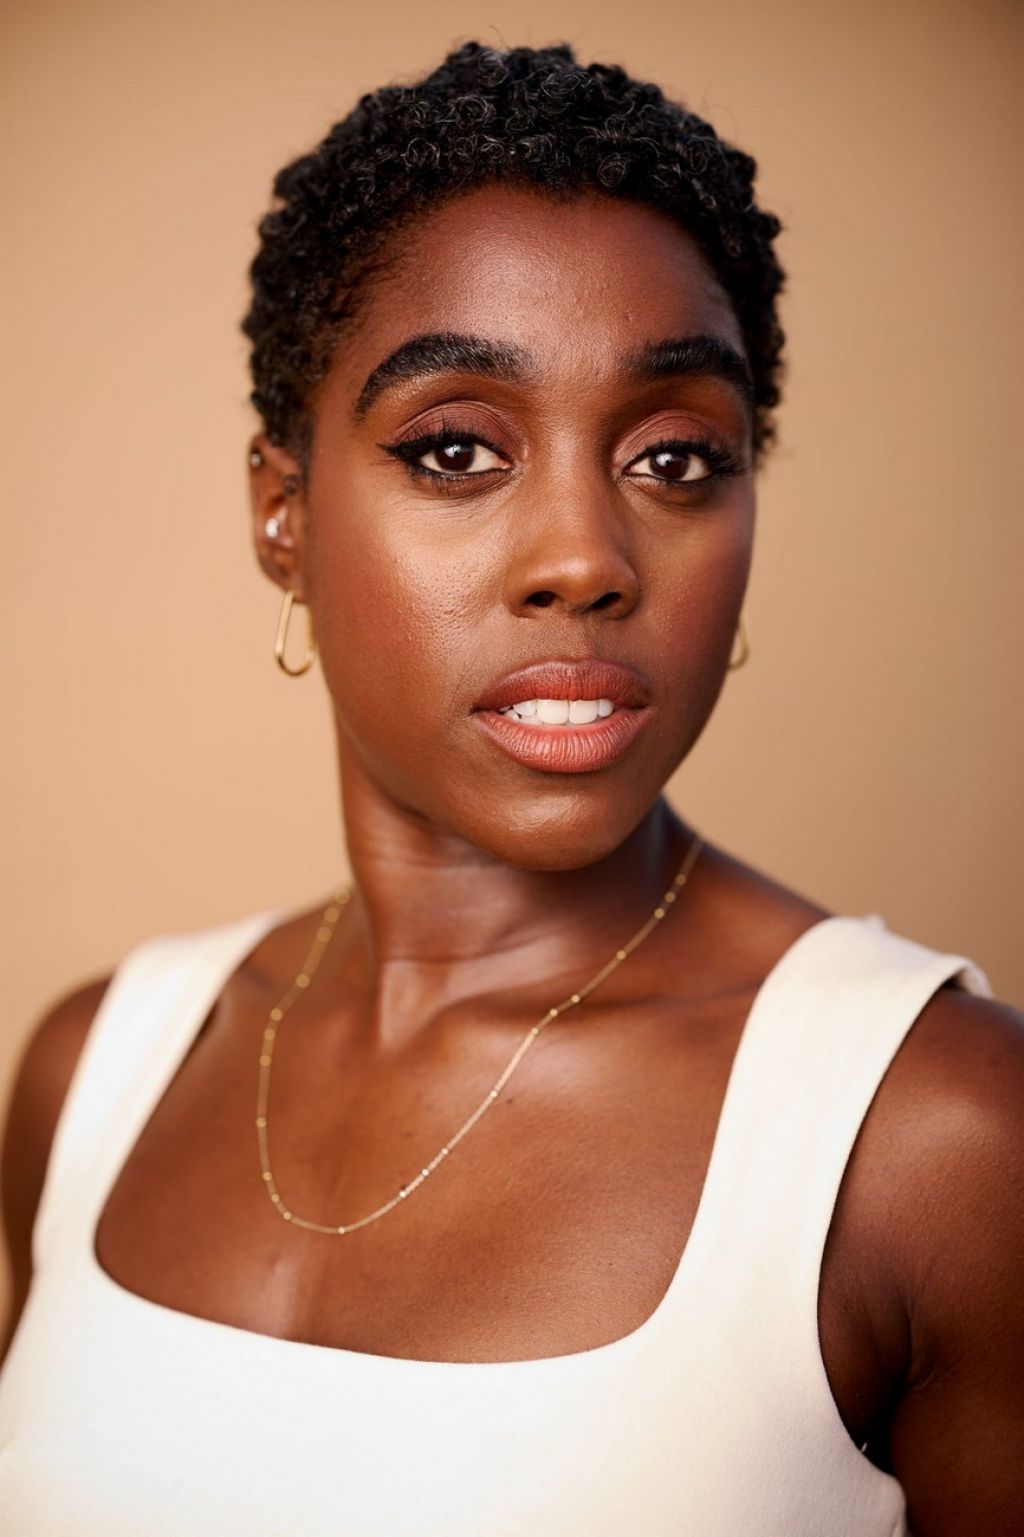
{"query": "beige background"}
pixel 161 774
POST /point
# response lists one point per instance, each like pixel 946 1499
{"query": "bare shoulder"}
pixel 949 1113
pixel 934 1161
pixel 39 1089
pixel 951 1109
pixel 964 1042
pixel 932 1206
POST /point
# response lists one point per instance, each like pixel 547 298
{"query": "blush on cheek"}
pixel 381 662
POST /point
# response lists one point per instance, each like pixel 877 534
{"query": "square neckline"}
pixel 252 931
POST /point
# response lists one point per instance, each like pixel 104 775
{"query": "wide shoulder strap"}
pixel 153 1008
pixel 824 1028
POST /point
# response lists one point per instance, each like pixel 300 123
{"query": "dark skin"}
pixel 485 891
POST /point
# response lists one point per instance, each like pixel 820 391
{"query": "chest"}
pixel 555 1226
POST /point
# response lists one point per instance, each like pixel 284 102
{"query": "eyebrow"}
pixel 444 352
pixel 705 356
pixel 439 352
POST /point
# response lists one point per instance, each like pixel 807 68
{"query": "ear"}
pixel 277 492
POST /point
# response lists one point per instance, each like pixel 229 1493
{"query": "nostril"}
pixel 541 599
pixel 606 600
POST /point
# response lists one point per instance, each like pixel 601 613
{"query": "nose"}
pixel 571 555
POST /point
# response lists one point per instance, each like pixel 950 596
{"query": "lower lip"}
pixel 565 749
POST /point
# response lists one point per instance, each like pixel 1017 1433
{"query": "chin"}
pixel 523 817
pixel 554 832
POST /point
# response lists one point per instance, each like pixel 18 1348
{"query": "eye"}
pixel 448 455
pixel 468 456
pixel 681 463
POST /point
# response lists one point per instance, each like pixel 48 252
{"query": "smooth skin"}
pixel 485 891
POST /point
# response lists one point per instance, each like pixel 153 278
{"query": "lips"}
pixel 591 679
pixel 580 746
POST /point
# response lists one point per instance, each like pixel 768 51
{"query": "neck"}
pixel 434 919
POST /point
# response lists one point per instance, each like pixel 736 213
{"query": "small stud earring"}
pixel 255 458
pixel 272 528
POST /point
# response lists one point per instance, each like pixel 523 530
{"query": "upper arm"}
pixel 40 1086
pixel 956 1435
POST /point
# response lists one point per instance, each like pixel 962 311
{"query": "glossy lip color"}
pixel 566 749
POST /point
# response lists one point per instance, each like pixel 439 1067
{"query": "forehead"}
pixel 577 283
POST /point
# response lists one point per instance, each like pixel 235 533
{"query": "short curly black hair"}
pixel 528 115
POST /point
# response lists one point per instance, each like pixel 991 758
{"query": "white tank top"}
pixel 121 1417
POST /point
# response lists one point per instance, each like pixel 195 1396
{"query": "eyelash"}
pixel 722 462
pixel 414 448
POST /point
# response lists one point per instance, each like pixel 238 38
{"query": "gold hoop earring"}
pixel 741 630
pixel 282 638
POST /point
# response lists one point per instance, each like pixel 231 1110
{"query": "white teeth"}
pixel 559 712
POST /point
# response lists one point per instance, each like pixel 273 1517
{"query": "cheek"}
pixel 696 600
pixel 395 614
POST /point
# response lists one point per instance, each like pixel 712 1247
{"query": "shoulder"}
pixel 934 1161
pixel 39 1089
pixel 949 1130
pixel 962 1040
pixel 951 1105
pixel 45 1070
pixel 55 1043
pixel 936 1182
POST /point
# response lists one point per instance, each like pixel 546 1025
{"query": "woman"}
pixel 568 1175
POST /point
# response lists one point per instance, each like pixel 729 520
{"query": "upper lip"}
pixel 588 678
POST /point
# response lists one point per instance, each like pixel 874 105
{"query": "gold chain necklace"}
pixel 324 933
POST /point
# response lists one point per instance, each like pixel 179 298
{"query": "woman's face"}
pixel 529 481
